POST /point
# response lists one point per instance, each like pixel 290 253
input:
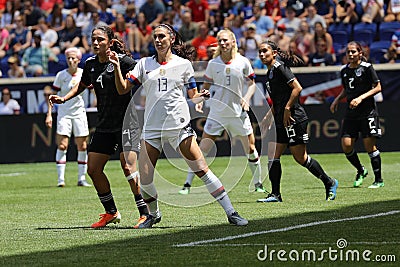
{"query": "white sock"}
pixel 149 194
pixel 255 166
pixel 189 177
pixel 82 165
pixel 133 176
pixel 61 160
pixel 190 174
pixel 217 190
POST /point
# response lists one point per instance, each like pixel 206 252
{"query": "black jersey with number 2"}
pixel 357 81
pixel 111 106
pixel 278 79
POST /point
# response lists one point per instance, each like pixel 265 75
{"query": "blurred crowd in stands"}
pixel 35 33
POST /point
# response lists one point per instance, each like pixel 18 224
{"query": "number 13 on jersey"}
pixel 162 84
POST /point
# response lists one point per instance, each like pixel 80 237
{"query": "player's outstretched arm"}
pixel 76 90
pixel 198 97
pixel 49 118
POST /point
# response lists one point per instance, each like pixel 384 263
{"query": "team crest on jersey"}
pixel 162 72
pixel 268 87
pixel 358 72
pixel 110 67
pixel 271 75
pixel 228 70
pixel 74 82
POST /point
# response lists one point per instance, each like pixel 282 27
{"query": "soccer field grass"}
pixel 43 225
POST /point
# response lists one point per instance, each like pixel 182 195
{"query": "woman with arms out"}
pixel 167 118
pixel 99 73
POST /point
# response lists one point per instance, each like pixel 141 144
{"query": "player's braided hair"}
pixel 359 49
pixel 179 47
pixel 117 44
pixel 287 57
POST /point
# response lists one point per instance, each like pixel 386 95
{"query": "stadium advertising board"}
pixel 25 138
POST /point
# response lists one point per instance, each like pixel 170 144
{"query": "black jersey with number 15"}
pixel 111 106
pixel 357 81
pixel 278 79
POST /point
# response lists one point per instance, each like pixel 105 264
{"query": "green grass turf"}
pixel 43 225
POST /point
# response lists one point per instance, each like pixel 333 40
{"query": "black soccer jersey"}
pixel 278 79
pixel 357 81
pixel 110 105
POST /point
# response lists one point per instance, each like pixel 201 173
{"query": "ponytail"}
pixel 359 49
pixel 117 44
pixel 179 47
pixel 287 57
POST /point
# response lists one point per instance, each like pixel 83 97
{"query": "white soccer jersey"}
pixel 228 80
pixel 163 84
pixel 63 83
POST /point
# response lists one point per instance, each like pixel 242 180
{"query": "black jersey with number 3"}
pixel 357 81
pixel 278 79
pixel 111 106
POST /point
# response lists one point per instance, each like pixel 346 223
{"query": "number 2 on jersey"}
pixel 351 80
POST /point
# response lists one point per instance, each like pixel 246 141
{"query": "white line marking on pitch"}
pixel 285 229
pixel 297 244
pixel 12 174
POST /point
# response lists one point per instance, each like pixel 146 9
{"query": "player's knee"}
pixel 82 146
pixel 93 170
pixel 347 148
pixel 301 161
pixel 62 147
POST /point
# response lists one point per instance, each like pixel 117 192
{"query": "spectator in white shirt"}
pixel 8 106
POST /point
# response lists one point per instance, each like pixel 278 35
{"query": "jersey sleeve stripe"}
pixel 133 79
pixel 291 80
pixel 191 83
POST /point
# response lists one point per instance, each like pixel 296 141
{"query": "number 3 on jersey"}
pixel 162 84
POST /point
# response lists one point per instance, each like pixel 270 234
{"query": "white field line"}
pixel 295 244
pixel 285 229
pixel 12 174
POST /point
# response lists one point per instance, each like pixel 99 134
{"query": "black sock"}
pixel 107 200
pixel 142 207
pixel 376 165
pixel 355 161
pixel 315 168
pixel 275 173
